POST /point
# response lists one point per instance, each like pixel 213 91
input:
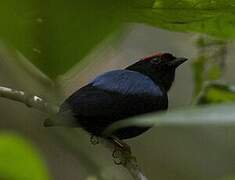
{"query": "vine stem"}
pixel 124 155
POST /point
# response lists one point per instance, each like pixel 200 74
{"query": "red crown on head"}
pixel 157 54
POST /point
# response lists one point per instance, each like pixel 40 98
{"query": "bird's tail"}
pixel 65 119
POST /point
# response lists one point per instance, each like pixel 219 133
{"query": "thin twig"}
pixel 123 155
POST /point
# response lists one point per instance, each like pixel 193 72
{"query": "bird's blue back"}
pixel 127 82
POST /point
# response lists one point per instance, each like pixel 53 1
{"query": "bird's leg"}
pixel 120 152
pixel 94 140
pixel 120 144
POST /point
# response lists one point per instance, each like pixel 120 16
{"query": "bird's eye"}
pixel 156 60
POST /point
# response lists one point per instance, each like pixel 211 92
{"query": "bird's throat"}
pixel 160 77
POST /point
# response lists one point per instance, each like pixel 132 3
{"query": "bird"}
pixel 119 94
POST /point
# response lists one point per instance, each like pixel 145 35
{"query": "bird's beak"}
pixel 178 61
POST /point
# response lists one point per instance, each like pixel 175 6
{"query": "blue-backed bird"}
pixel 119 94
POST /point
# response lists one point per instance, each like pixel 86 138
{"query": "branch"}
pixel 121 151
pixel 122 156
pixel 31 101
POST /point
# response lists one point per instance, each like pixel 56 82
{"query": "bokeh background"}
pixel 166 153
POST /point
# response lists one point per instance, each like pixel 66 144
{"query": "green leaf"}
pixel 223 114
pixel 211 17
pixel 19 159
pixel 56 34
pixel 217 93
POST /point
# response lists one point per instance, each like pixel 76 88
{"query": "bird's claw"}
pixel 117 157
pixel 121 152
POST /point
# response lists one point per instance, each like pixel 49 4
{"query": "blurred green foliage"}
pixel 205 16
pixel 19 159
pixel 210 63
pixel 217 93
pixel 55 35
pixel 222 114
pixel 198 69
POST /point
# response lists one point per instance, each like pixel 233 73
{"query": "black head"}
pixel 160 67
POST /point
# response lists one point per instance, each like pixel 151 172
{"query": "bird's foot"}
pixel 121 152
pixel 94 140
